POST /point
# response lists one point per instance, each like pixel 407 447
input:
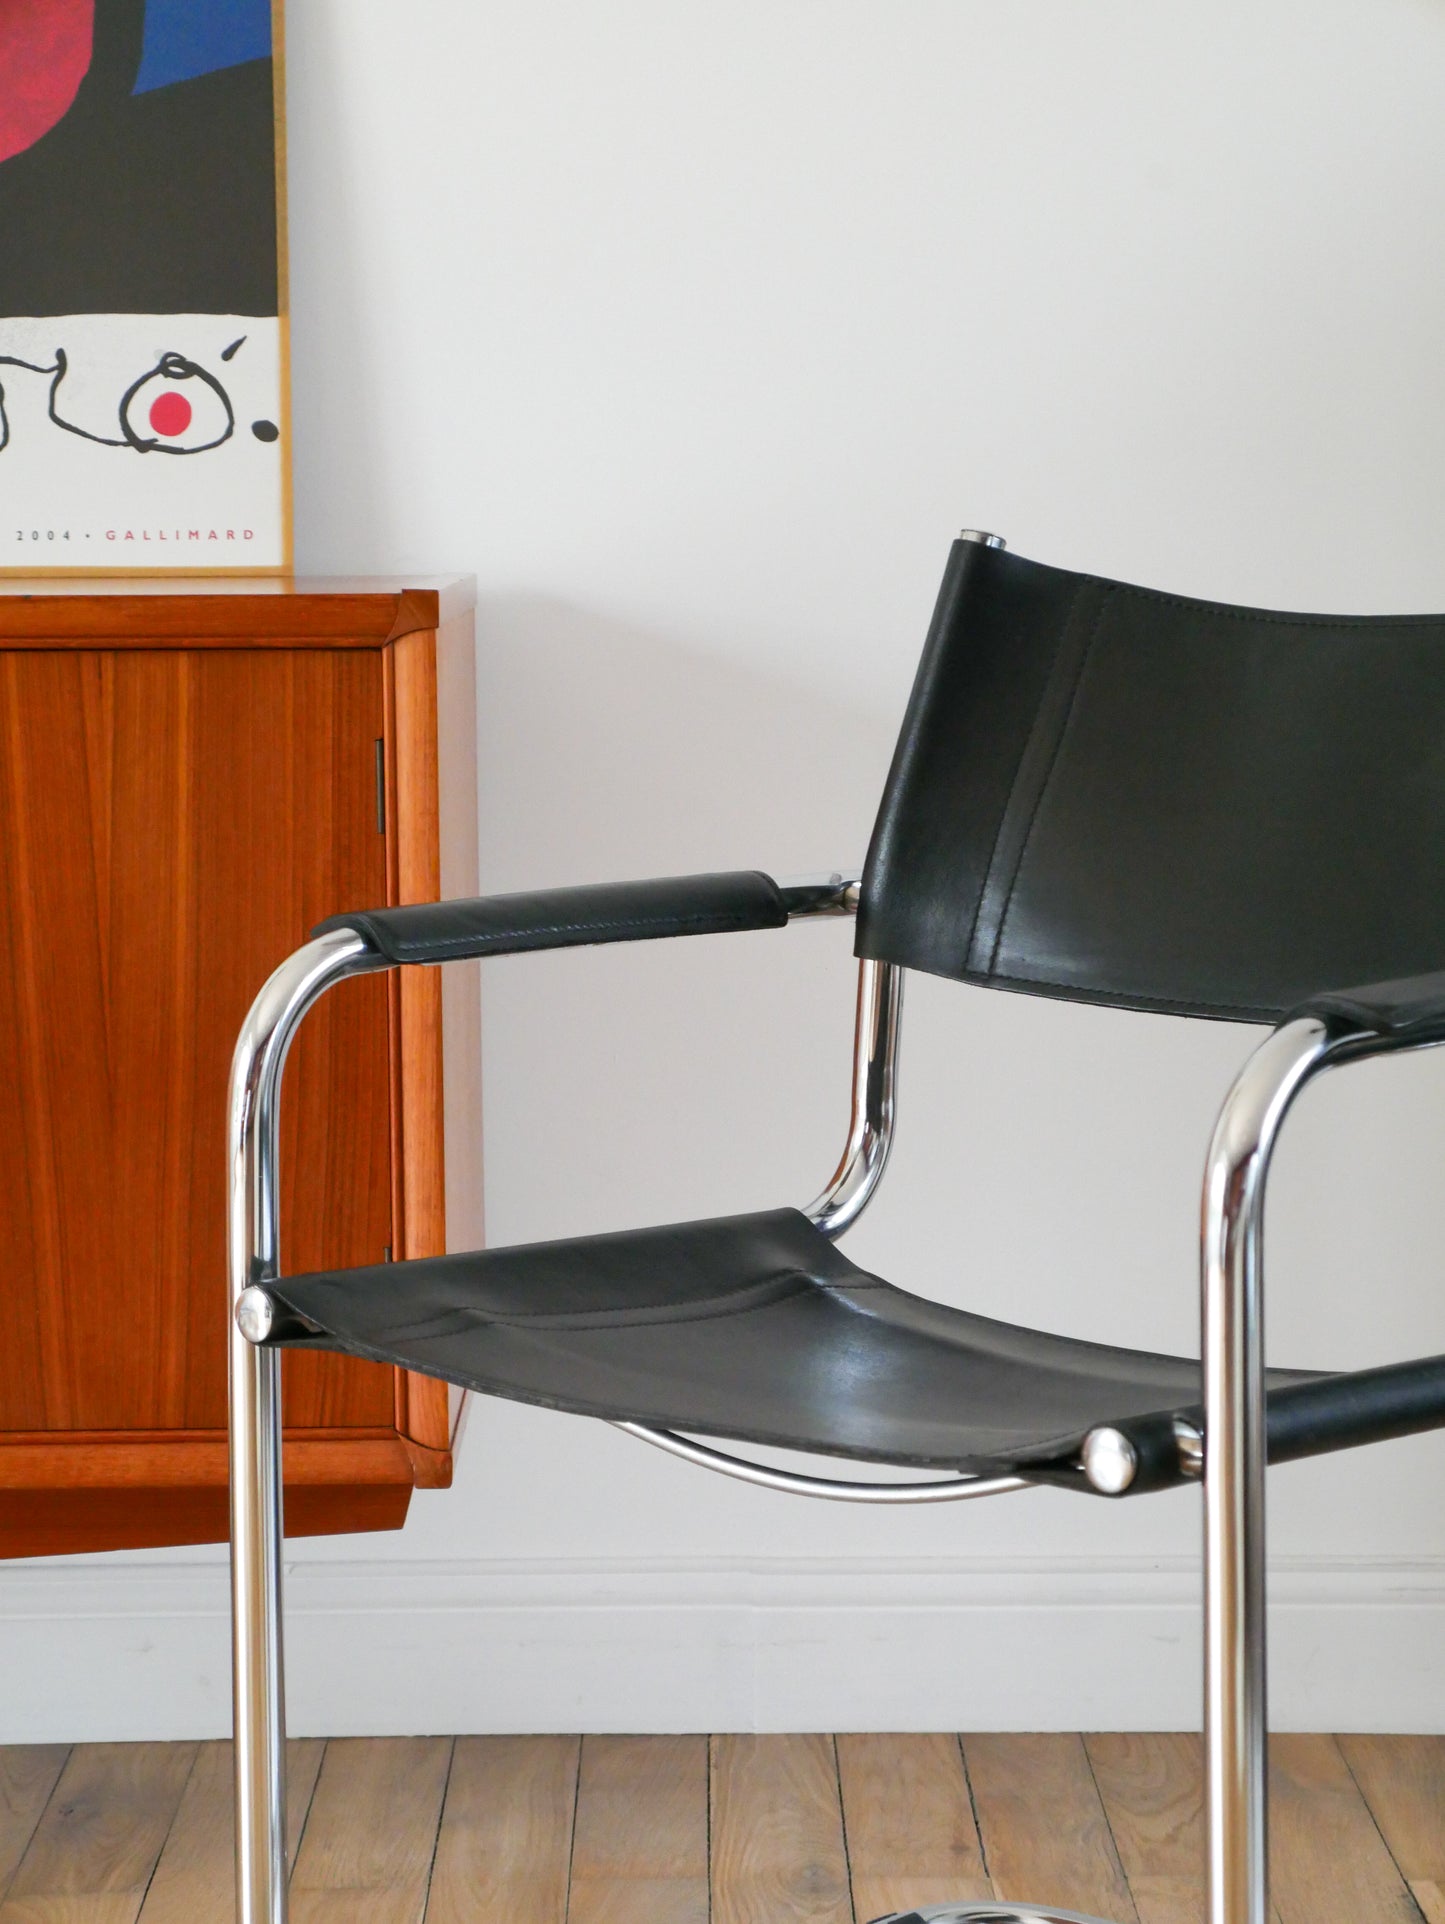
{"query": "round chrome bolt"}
pixel 255 1314
pixel 1110 1462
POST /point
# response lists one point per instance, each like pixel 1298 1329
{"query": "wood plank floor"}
pixel 722 1830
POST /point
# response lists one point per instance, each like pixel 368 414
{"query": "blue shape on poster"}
pixel 187 38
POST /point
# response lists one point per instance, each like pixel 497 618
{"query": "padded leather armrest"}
pixel 1412 1009
pixel 567 918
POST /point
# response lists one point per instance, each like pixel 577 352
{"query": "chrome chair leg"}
pixel 257 1525
pixel 257 1676
pixel 1232 1275
pixel 1235 1710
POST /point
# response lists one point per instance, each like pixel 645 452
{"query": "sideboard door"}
pixel 172 822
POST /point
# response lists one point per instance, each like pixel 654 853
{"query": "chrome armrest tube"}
pixel 833 894
pixel 875 1082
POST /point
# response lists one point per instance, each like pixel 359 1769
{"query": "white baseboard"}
pixel 140 1651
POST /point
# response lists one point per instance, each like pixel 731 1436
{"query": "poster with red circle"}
pixel 144 404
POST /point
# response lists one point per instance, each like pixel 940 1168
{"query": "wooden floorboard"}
pixel 777 1832
pixel 194 1875
pixel 732 1830
pixel 909 1823
pixel 1402 1779
pixel 366 1856
pixel 1045 1837
pixel 1151 1785
pixel 28 1775
pixel 506 1832
pixel 1328 1862
pixel 640 1851
pixel 94 1849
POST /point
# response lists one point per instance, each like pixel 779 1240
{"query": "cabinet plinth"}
pixel 189 781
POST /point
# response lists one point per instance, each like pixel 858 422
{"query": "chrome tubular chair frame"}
pixel 1232 1329
pixel 1233 1459
pixel 257 1521
pixel 875 1080
pixel 253 1154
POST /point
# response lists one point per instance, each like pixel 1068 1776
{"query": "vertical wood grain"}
pixel 419 1123
pixel 1328 1863
pixel 911 1835
pixel 1044 1834
pixel 640 1849
pixel 506 1831
pixel 1402 1780
pixel 95 1848
pixel 28 1775
pixel 459 836
pixel 418 879
pixel 1152 1787
pixel 777 1832
pixel 174 822
pixel 194 1881
pixel 367 1853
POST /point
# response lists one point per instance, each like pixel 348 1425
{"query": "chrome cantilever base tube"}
pixel 990 1914
pixel 253 1143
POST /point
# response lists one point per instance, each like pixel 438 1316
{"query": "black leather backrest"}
pixel 1120 796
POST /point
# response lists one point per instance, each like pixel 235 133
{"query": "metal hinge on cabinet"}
pixel 380 786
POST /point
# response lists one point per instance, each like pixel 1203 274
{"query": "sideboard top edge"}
pixel 296 611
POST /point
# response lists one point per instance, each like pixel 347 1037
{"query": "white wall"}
pixel 696 331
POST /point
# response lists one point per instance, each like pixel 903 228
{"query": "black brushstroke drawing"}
pixel 170 368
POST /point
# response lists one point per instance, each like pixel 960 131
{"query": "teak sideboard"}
pixel 191 776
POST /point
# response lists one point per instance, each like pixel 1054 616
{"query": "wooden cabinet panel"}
pixel 173 823
pixel 173 819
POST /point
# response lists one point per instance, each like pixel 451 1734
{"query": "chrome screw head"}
pixel 1110 1461
pixel 255 1314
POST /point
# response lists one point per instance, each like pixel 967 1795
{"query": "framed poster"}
pixel 144 404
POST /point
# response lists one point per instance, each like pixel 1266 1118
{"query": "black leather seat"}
pixel 752 1327
pixel 759 1329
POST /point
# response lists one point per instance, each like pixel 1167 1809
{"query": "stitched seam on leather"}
pixel 1003 820
pixel 1109 995
pixel 1046 783
pixel 746 1299
pixel 559 1322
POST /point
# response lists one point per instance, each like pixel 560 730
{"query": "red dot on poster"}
pixel 170 414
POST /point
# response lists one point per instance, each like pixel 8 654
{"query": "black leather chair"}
pixel 1101 793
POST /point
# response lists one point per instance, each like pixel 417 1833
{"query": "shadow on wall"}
pixel 606 751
